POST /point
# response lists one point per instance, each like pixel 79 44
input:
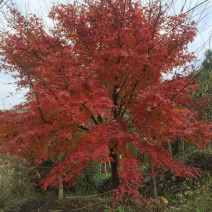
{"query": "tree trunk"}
pixel 182 147
pixel 105 165
pixel 114 169
pixel 60 189
pixel 170 149
pixel 154 183
pixel 100 167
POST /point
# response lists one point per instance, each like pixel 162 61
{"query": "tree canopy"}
pixel 96 89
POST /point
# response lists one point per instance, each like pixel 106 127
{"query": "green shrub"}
pixel 197 200
pixel 92 181
pixel 13 180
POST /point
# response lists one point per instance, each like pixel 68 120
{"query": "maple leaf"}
pixel 100 59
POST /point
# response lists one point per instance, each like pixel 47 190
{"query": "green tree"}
pixel 204 92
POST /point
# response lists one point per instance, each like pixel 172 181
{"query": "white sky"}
pixel 10 97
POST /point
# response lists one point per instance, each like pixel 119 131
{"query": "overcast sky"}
pixel 10 97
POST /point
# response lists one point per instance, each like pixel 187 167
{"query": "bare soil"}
pixel 77 204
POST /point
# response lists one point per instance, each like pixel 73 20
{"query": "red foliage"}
pixel 96 89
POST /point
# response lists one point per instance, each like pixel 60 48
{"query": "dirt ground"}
pixel 63 206
pixel 76 204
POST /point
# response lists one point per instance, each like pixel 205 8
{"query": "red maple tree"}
pixel 96 89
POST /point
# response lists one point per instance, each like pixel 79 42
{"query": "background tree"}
pixel 101 61
pixel 204 92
